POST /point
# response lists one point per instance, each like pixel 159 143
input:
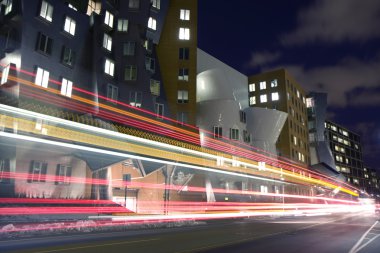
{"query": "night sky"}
pixel 329 46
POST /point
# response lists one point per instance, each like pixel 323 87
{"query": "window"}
pixel 263 85
pixel 108 19
pixel 156 4
pixel 72 7
pixel 42 77
pixel 46 11
pixel 4 75
pixel 252 100
pixel 183 74
pixel 263 189
pixel 107 42
pixel 274 83
pixel 63 174
pixel 112 92
pixel 68 56
pixel 184 14
pixel 275 96
pixel 184 33
pixel 93 7
pixel 69 26
pixel 129 48
pixel 109 67
pixel 8 7
pixel 135 98
pixel 345 133
pixel 134 4
pixel 4 170
pixel 67 87
pixel 122 25
pixel 309 102
pixel 159 108
pixel 218 132
pixel 155 87
pixel 130 73
pixel 246 136
pixel 152 24
pixel 182 117
pixel 298 94
pixel 183 96
pixel 184 53
pixel 252 87
pixel 150 64
pixel 37 172
pixel 148 45
pixel 295 140
pixel 234 134
pixel 263 98
pixel 243 117
pixel 44 44
pixel 333 128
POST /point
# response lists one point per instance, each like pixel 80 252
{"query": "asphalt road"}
pixel 334 234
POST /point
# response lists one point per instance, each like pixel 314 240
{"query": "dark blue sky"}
pixel 330 46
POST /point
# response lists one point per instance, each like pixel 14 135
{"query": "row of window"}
pixel 264 98
pixel 233 134
pixel 263 85
pixel 38 171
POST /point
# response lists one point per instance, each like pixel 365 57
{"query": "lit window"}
pixel 309 102
pixel 108 19
pixel 148 45
pixel 107 42
pixel 129 48
pixel 109 67
pixel 184 14
pixel 263 189
pixel 183 74
pixel 263 98
pixel 4 75
pixel 134 4
pixel 122 25
pixel 333 128
pixel 252 87
pixel 42 77
pixel 44 44
pixel 183 96
pixel 295 140
pixel 68 56
pixel 66 88
pixel 63 174
pixel 135 98
pixel 93 7
pixel 70 25
pixel 37 172
pixel 275 96
pixel 263 85
pixel 234 134
pixel 298 94
pixel 150 64
pixel 159 109
pixel 155 87
pixel 252 100
pixel 218 132
pixel 112 92
pixel 8 7
pixel 152 23
pixel 72 7
pixel 46 11
pixel 156 4
pixel 274 83
pixel 184 33
pixel 130 73
pixel 345 133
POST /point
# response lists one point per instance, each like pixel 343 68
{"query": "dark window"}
pixel 63 174
pixel 184 53
pixel 134 4
pixel 234 134
pixel 218 132
pixel 68 56
pixel 159 108
pixel 243 117
pixel 44 44
pixel 37 171
pixel 246 136
pixel 4 171
pixel 129 48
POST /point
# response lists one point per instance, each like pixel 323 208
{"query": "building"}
pixel 347 151
pixel 278 90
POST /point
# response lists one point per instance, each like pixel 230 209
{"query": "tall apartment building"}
pixel 177 52
pixel 280 91
pixel 103 50
pixel 347 151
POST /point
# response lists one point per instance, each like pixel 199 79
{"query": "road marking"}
pixel 356 247
pixel 94 246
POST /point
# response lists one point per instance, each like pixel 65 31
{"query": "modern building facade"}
pixel 347 151
pixel 278 90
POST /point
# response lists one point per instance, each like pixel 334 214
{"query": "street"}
pixel 338 233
